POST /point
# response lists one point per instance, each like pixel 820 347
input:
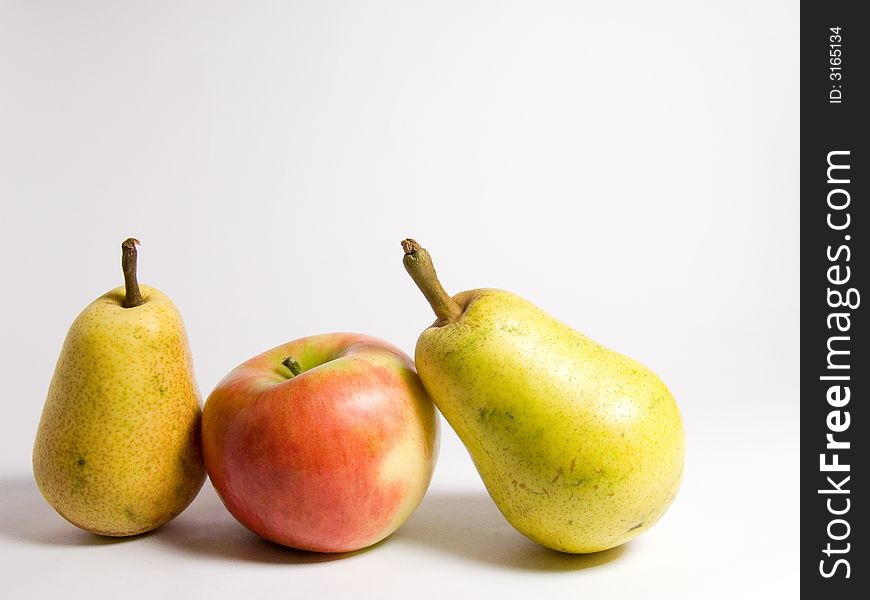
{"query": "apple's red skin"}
pixel 331 460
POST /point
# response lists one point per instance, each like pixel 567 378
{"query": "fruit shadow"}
pixel 469 525
pixel 27 517
pixel 206 528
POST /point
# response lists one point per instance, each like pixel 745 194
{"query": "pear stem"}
pixel 419 266
pixel 133 296
pixel 292 364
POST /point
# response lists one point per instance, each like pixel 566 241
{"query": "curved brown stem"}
pixel 419 265
pixel 133 296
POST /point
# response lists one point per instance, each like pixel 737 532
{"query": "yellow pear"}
pixel 117 451
pixel 580 447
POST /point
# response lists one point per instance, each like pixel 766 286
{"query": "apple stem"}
pixel 292 364
pixel 133 296
pixel 419 266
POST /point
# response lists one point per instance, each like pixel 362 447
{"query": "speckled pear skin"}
pixel 580 447
pixel 117 450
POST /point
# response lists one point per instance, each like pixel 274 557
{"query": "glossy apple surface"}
pixel 333 459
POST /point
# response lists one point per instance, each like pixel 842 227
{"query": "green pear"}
pixel 117 451
pixel 580 447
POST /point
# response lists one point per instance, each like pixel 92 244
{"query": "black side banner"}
pixel 835 227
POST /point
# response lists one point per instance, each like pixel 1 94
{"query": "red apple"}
pixel 326 443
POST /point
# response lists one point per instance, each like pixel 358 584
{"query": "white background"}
pixel 631 167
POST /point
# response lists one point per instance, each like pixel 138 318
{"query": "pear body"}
pixel 580 447
pixel 117 450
